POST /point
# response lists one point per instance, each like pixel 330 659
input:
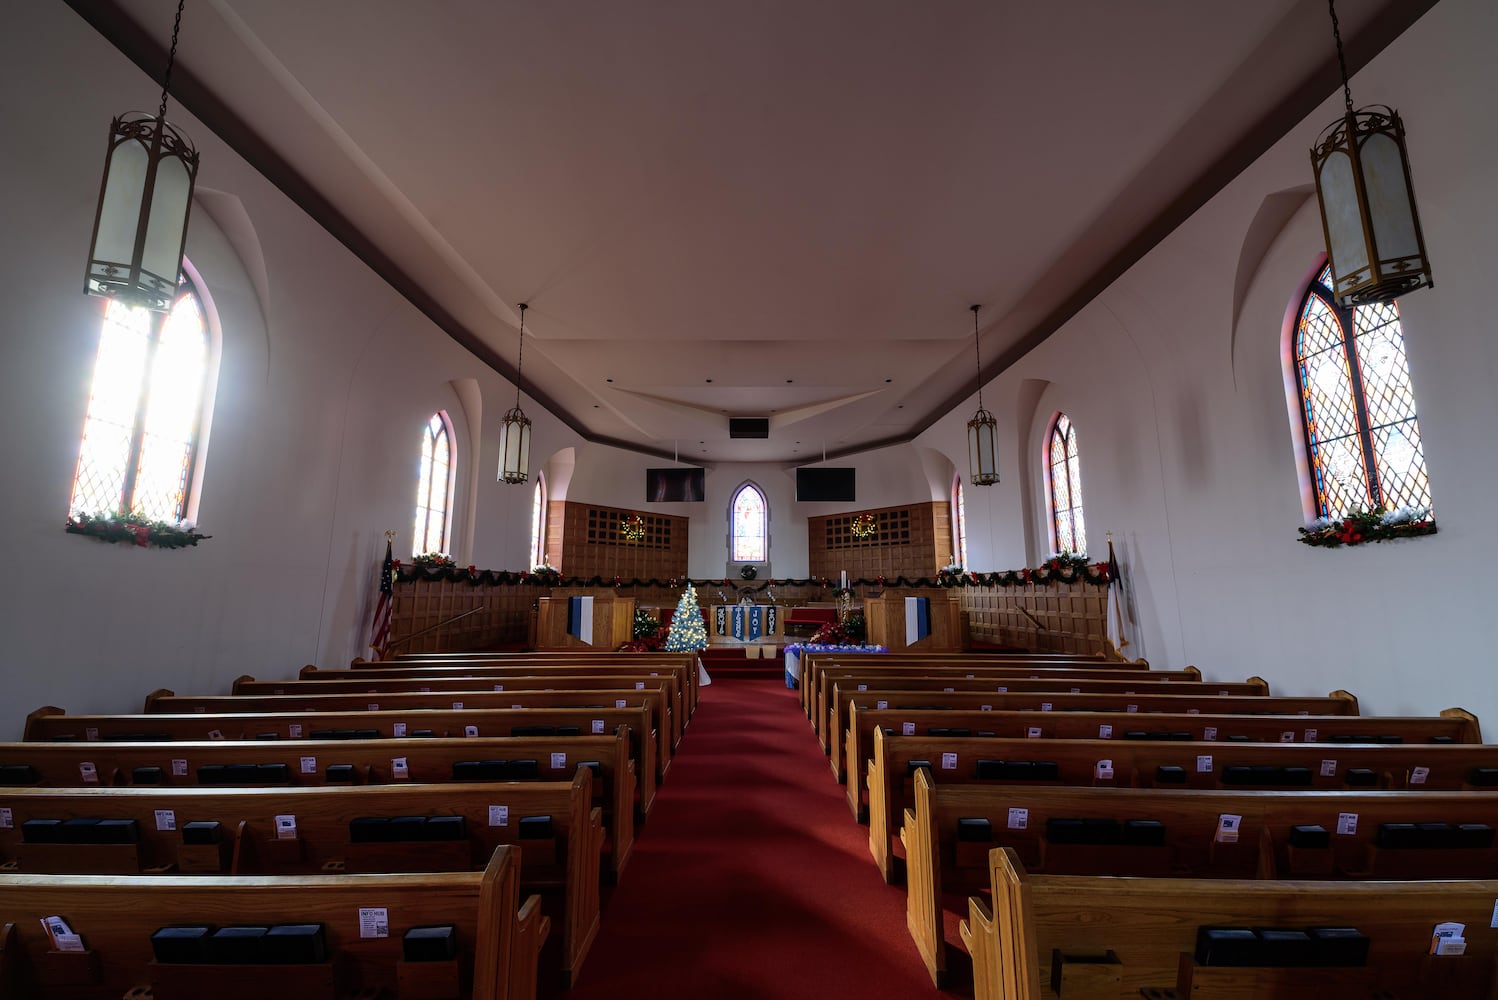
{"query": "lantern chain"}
pixel 977 358
pixel 171 59
pixel 520 358
pixel 1341 59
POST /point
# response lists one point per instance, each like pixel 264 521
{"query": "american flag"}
pixel 379 635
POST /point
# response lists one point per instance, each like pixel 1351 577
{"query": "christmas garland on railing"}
pixel 135 529
pixel 1057 569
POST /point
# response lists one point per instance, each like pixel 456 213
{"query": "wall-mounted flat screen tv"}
pixel 820 484
pixel 675 486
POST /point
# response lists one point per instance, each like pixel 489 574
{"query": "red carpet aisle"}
pixel 751 878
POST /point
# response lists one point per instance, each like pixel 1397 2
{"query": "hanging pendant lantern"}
pixel 982 430
pixel 1373 238
pixel 140 225
pixel 515 432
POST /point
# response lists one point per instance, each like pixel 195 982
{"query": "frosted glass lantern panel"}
pixel 1344 224
pixel 119 215
pixel 164 233
pixel 1388 198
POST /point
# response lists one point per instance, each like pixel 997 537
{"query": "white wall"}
pixel 327 377
pixel 1186 441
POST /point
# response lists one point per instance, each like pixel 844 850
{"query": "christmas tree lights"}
pixel 688 633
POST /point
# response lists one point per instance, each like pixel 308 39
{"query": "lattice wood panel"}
pixel 912 540
pixel 592 543
pixel 1063 618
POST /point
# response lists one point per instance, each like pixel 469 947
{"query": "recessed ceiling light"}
pixel 608 380
pixel 709 380
pixel 789 381
pixel 888 380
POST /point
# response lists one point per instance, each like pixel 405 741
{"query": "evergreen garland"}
pixel 135 529
pixel 1058 569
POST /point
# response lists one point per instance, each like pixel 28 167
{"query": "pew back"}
pixel 52 724
pixel 1132 764
pixel 1148 923
pixel 374 762
pixel 116 917
pixel 322 841
pixel 1452 725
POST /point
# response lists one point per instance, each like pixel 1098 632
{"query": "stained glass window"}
pixel 538 522
pixel 1357 406
pixel 1066 487
pixel 434 485
pixel 959 523
pixel 145 407
pixel 749 522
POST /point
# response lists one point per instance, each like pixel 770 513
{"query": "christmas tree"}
pixel 688 633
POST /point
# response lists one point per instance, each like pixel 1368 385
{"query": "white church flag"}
pixel 917 619
pixel 580 618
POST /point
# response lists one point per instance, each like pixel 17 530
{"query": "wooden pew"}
pixel 488 675
pixel 366 684
pixel 868 689
pixel 936 862
pixel 1454 725
pixel 812 665
pixel 1150 924
pixel 915 707
pixel 684 665
pixel 307 763
pixel 996 677
pixel 52 724
pixel 498 938
pixel 1134 764
pixel 662 722
pixel 565 864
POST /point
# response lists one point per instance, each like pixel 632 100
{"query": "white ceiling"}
pixel 770 208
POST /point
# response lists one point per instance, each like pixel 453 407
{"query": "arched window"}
pixel 145 409
pixel 434 486
pixel 1357 406
pixel 749 520
pixel 1066 487
pixel 538 522
pixel 959 523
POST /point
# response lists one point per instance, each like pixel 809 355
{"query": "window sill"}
pixel 1362 529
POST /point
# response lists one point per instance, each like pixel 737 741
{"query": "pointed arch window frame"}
pixel 190 286
pixel 959 522
pixel 733 524
pixel 1312 463
pixel 426 464
pixel 1074 538
pixel 539 500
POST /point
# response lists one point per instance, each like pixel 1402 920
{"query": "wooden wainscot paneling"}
pixel 440 615
pixel 613 622
pixel 1059 617
pixel 885 616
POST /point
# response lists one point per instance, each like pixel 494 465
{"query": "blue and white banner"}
pixel 580 618
pixel 748 623
pixel 771 613
pixel 917 619
pixel 720 619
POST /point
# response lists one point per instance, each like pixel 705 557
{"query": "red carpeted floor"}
pixel 751 878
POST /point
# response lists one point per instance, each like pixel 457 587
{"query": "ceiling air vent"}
pixel 748 427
